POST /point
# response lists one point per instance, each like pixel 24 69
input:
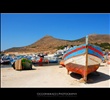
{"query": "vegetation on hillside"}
pixel 104 46
pixel 60 47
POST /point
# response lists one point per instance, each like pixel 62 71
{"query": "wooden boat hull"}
pixel 62 63
pixel 81 60
pixel 77 64
pixel 80 69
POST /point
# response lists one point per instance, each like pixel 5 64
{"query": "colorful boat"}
pixel 4 60
pixel 62 63
pixel 108 58
pixel 83 59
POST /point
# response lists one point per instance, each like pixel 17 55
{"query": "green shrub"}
pixel 60 47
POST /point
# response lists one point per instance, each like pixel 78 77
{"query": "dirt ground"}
pixel 52 76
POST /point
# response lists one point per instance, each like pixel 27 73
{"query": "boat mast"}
pixel 86 65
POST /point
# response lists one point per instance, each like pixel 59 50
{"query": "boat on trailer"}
pixel 83 59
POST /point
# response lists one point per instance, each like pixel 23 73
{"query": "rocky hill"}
pixel 51 44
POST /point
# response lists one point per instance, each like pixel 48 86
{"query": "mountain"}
pixel 51 44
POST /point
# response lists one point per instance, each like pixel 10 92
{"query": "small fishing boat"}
pixel 108 58
pixel 62 63
pixel 83 59
pixel 5 60
pixel 51 58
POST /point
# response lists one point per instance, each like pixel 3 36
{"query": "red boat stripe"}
pixel 74 51
pixel 90 47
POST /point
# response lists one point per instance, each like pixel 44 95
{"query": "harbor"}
pixel 46 70
pixel 55 50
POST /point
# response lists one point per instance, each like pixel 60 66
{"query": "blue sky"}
pixel 22 29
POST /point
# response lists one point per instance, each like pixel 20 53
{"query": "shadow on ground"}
pixel 93 77
pixel 27 69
